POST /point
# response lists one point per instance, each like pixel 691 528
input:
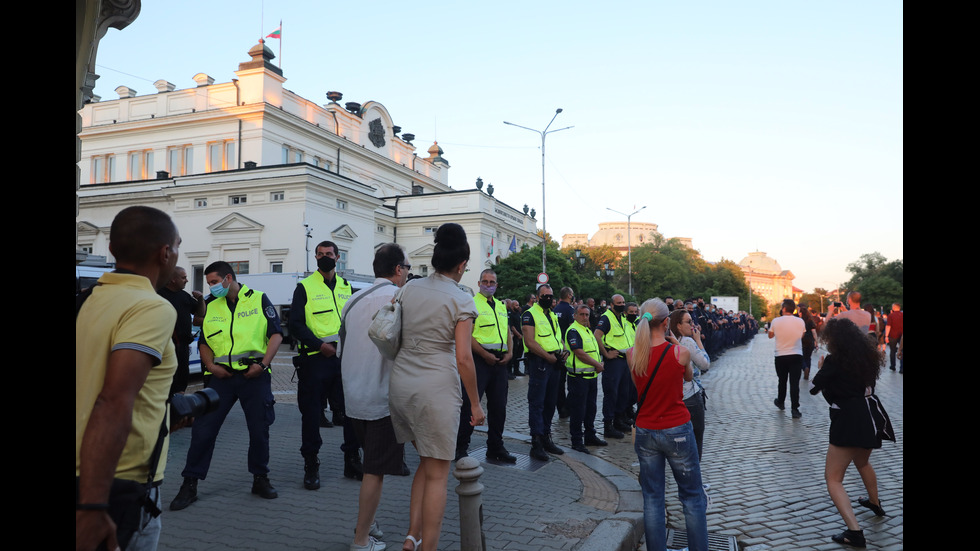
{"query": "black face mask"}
pixel 545 303
pixel 619 308
pixel 631 317
pixel 326 264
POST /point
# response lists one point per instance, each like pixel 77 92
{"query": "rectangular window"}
pixel 237 199
pixel 429 229
pixel 221 156
pixel 277 196
pixel 240 267
pixel 200 203
pixel 285 154
pixel 188 167
pixel 103 169
pixel 424 270
pixel 275 267
pixel 341 204
pixel 342 261
pixel 381 228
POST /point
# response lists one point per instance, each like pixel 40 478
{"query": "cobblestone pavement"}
pixel 765 470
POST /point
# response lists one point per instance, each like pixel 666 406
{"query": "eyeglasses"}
pixel 406 266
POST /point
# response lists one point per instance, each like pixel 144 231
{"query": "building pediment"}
pixel 235 222
pixel 343 233
pixel 424 251
pixel 87 229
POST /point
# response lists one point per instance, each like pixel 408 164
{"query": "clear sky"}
pixel 761 125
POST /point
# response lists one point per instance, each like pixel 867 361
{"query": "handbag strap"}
pixel 639 403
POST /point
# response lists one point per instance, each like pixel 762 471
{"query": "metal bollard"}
pixel 470 490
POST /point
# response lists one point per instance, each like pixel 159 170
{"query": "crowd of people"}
pixel 455 348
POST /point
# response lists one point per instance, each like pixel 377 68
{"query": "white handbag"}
pixel 386 329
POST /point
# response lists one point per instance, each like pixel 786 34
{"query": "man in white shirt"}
pixel 365 373
pixel 788 331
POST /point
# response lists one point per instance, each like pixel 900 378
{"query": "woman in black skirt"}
pixel 858 422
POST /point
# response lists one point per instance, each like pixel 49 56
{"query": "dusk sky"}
pixel 761 125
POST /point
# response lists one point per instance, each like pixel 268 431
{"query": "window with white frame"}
pixel 200 202
pixel 381 228
pixel 277 196
pixel 237 199
pixel 103 169
pixel 240 266
pixel 180 160
pixel 341 204
pixel 275 267
pixel 140 164
pixel 221 156
pixel 342 261
pixel 429 229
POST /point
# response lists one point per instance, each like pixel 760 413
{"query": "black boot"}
pixel 311 478
pixel 352 465
pixel 263 488
pixel 549 445
pixel 621 424
pixel 592 439
pixel 501 454
pixel 611 431
pixel 186 495
pixel 537 449
pixel 580 447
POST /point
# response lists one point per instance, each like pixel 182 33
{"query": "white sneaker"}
pixel 372 545
pixel 375 531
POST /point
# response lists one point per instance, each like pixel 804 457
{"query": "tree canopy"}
pixel 880 281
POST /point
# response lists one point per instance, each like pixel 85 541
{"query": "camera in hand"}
pixel 193 405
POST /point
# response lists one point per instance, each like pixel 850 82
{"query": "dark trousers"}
pixel 542 394
pixel 893 351
pixel 319 379
pixel 789 368
pixel 257 402
pixel 492 381
pixel 581 403
pixel 183 374
pixel 616 385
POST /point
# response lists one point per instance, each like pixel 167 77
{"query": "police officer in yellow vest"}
pixel 239 338
pixel 492 350
pixel 583 366
pixel 615 335
pixel 545 355
pixel 314 320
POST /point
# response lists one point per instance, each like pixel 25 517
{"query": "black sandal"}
pixel 854 538
pixel 865 502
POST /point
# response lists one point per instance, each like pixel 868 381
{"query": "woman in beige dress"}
pixel 424 390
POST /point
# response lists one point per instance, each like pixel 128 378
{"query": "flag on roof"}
pixel 277 34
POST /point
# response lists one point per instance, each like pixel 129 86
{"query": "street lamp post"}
pixel 629 243
pixel 544 231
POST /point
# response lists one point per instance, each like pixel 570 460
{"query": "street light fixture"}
pixel 544 231
pixel 629 242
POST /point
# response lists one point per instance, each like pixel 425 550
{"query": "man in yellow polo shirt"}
pixel 124 366
pixel 239 338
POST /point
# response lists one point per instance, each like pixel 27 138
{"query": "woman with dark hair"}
pixel 664 433
pixel 809 339
pixel 424 390
pixel 858 422
pixel 688 333
pixel 874 331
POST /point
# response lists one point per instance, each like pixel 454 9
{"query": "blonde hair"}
pixel 658 312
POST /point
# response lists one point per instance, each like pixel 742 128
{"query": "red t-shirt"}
pixel 663 407
pixel 895 324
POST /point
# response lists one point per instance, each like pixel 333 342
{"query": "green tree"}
pixel 517 274
pixel 879 280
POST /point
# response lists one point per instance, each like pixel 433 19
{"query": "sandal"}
pixel 854 538
pixel 415 543
pixel 865 502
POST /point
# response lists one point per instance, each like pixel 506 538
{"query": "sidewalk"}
pixel 765 470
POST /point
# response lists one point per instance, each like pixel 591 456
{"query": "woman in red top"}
pixel 664 433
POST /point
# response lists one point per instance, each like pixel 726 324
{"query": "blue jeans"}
pixel 675 446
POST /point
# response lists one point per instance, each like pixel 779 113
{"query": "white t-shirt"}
pixel 365 371
pixel 788 332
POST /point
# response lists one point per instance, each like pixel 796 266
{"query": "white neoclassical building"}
pixel 767 279
pixel 256 175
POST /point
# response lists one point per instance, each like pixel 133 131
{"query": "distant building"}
pixel 617 235
pixel 767 279
pixel 256 175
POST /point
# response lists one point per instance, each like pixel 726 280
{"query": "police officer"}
pixel 492 351
pixel 615 335
pixel 240 336
pixel 314 319
pixel 583 366
pixel 545 356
